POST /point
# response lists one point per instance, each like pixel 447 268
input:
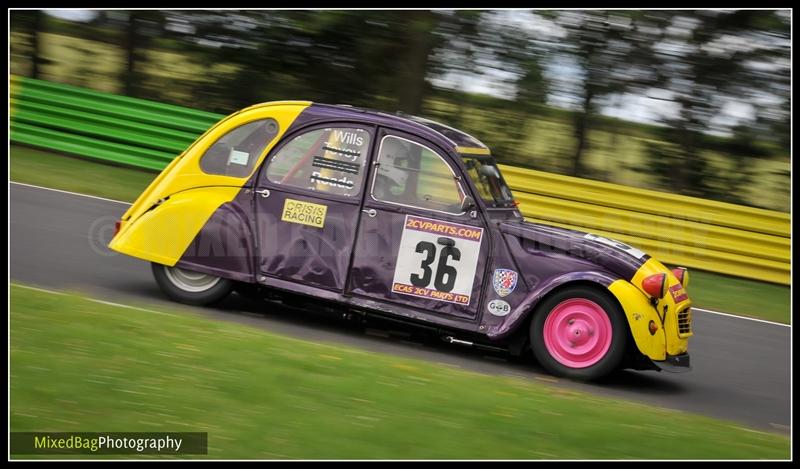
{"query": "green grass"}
pixel 32 166
pixel 78 365
pixel 740 296
pixel 43 168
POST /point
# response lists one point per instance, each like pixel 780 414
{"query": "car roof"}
pixel 447 136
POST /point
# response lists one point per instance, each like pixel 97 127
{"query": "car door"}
pixel 415 245
pixel 307 201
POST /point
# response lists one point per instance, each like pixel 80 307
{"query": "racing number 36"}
pixel 437 260
pixel 445 277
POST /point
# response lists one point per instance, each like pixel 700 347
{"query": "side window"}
pixel 414 175
pixel 329 160
pixel 237 151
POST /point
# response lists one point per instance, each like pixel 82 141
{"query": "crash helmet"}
pixel 395 158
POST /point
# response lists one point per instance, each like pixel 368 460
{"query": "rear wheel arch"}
pixel 191 287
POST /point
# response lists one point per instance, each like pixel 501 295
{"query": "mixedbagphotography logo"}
pixel 109 443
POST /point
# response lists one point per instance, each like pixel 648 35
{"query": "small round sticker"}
pixel 499 307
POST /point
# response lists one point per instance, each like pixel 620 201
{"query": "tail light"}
pixel 117 225
pixel 655 285
pixel 682 274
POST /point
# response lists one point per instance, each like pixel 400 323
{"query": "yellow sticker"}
pixel 304 213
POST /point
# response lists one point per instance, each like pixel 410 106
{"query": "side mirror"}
pixel 467 204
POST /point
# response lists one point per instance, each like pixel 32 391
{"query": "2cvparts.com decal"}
pixel 437 260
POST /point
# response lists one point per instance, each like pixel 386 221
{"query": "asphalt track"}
pixel 741 368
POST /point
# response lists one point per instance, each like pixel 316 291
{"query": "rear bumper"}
pixel 674 363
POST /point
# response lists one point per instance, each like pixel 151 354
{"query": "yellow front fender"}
pixel 668 339
pixel 640 312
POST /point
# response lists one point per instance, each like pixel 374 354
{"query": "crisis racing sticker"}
pixel 304 213
pixel 504 281
pixel 437 260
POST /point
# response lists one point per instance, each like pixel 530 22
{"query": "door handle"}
pixel 371 212
pixel 264 193
pixel 446 241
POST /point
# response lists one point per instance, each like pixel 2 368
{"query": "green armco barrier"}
pixel 103 126
pixel 688 231
pixel 678 230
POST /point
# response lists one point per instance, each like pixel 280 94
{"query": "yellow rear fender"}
pixel 167 216
pixel 184 172
pixel 163 233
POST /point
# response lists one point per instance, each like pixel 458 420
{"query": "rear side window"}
pixel 329 160
pixel 414 175
pixel 237 151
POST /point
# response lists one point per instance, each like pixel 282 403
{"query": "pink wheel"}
pixel 577 333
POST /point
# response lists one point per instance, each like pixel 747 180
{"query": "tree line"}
pixel 694 67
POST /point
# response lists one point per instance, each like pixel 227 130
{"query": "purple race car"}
pixel 401 217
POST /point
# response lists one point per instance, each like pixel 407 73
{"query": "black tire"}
pixel 166 279
pixel 609 360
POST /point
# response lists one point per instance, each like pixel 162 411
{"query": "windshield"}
pixel 491 187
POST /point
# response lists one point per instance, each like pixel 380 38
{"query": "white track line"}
pixel 95 301
pixel 741 317
pixel 38 289
pixel 70 193
pixel 127 203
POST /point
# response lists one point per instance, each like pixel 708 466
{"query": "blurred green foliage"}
pixel 551 76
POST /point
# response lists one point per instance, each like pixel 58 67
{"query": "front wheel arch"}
pixel 595 302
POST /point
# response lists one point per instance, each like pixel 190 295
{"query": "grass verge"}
pixel 740 296
pixel 33 166
pixel 48 169
pixel 78 365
